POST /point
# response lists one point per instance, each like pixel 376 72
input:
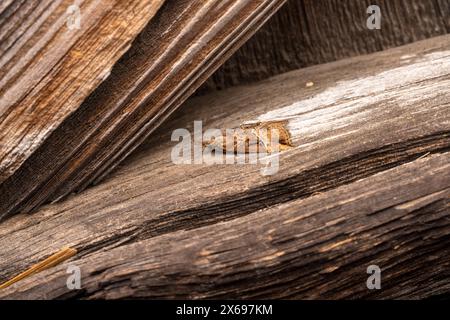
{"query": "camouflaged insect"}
pixel 254 138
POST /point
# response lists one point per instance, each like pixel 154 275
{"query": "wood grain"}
pixel 172 56
pixel 47 69
pixel 367 182
pixel 309 32
pixel 318 247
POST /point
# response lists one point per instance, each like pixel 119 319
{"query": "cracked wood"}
pixel 370 178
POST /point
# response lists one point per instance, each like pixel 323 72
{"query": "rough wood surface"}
pixel 318 247
pixel 172 56
pixel 310 32
pixel 367 183
pixel 47 68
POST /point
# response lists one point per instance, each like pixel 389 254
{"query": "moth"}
pixel 254 137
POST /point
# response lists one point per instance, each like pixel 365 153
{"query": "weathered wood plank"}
pixel 305 33
pixel 47 67
pixel 173 55
pixel 317 247
pixel 348 129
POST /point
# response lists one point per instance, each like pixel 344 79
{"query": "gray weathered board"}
pixel 368 182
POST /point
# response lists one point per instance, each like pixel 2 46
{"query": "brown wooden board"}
pixel 367 182
pixel 318 247
pixel 48 65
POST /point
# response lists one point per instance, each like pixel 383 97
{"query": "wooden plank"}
pixel 348 128
pixel 47 68
pixel 305 33
pixel 172 56
pixel 318 247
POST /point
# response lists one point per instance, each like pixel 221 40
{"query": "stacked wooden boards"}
pixel 367 183
pixel 58 134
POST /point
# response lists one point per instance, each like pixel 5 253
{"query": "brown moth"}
pixel 253 138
